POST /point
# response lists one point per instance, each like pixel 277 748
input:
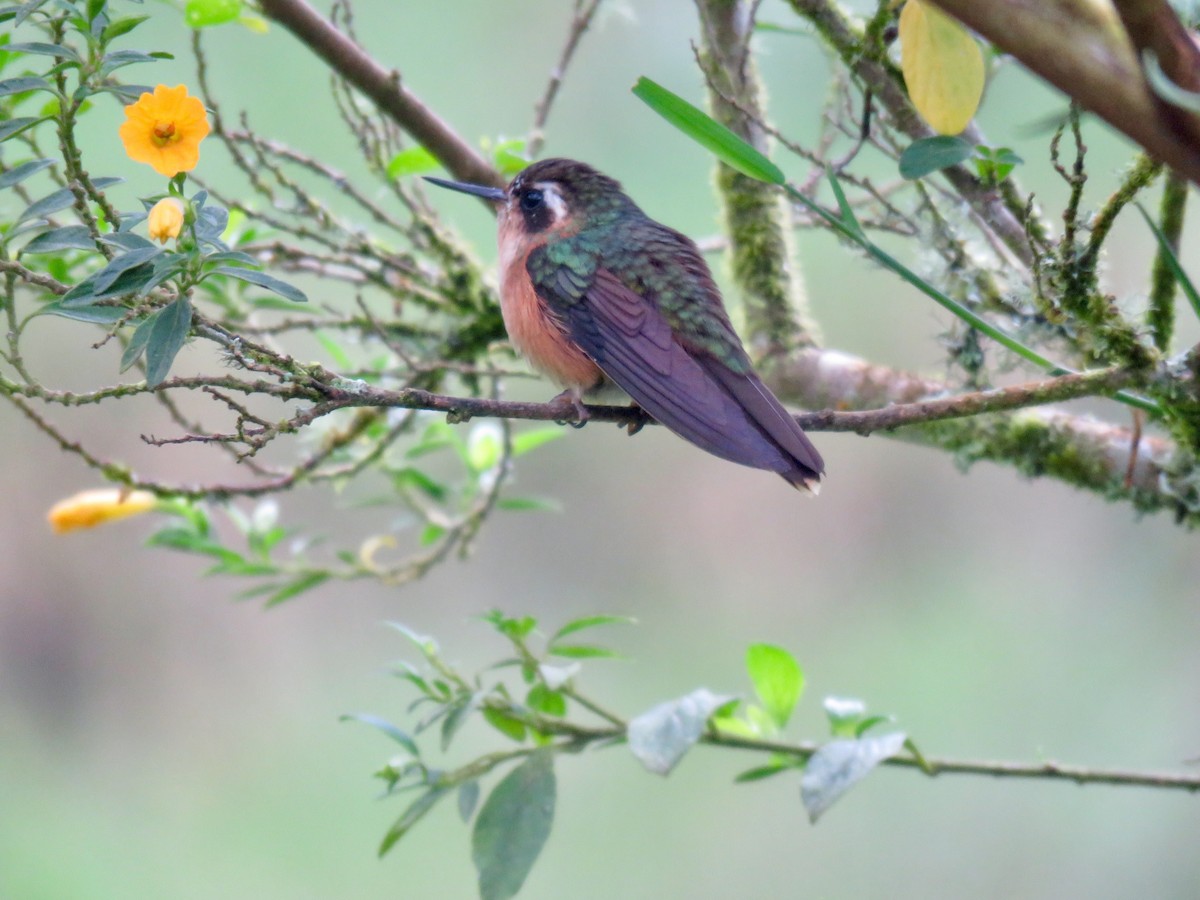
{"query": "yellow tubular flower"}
pixel 164 130
pixel 166 219
pixel 87 509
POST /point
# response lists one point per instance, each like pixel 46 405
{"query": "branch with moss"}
pixel 757 219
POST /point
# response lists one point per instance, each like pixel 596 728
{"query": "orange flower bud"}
pixel 166 219
pixel 87 509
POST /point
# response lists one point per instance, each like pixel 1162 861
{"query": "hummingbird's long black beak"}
pixel 488 193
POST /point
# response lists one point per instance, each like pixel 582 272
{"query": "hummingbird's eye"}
pixel 531 200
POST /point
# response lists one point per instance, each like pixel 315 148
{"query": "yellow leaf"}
pixel 942 66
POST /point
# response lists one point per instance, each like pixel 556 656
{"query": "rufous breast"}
pixel 534 329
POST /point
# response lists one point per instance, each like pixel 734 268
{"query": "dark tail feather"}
pixel 803 464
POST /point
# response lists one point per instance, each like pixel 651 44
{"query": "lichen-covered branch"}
pixel 757 220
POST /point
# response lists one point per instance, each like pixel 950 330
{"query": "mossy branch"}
pixel 757 220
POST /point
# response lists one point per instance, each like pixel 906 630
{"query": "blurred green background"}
pixel 159 740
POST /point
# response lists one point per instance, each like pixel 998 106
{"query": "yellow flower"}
pixel 166 219
pixel 164 130
pixel 87 509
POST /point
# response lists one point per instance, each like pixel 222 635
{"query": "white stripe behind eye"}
pixel 553 199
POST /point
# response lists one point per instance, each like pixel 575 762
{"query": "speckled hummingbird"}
pixel 594 290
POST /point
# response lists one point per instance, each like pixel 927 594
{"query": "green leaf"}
pixel 167 335
pixel 411 816
pixel 932 154
pixel 530 440
pixel 457 714
pixel 410 477
pixel 504 723
pixel 544 700
pixel 511 628
pixel 206 13
pixel 870 722
pixel 430 534
pixel 485 444
pixel 590 622
pixel 1181 277
pixel 509 156
pixel 714 136
pixel 468 799
pixel 265 281
pixel 660 737
pixel 190 542
pixel 513 825
pixel 777 679
pixel 15 126
pixel 233 256
pixel 58 200
pixel 582 651
pixel 48 205
pixel 137 342
pixel 132 281
pixel 995 164
pixel 42 49
pixel 529 504
pixel 847 218
pixel 839 765
pixel 105 278
pixel 100 315
pixel 118 59
pixel 19 173
pixel 10 86
pixel 412 161
pixel 398 735
pixel 121 26
pixel 735 726
pixel 425 644
pixel 761 772
pixel 297 586
pixel 69 237
pixel 125 240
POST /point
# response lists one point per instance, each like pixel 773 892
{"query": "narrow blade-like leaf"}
pixel 264 281
pixel 707 132
pixel 398 735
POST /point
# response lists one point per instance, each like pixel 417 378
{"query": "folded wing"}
pixel 730 414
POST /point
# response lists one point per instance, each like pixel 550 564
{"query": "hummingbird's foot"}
pixel 637 419
pixel 581 413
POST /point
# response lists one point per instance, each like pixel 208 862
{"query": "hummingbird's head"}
pixel 552 195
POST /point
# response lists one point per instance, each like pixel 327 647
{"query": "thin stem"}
pixel 585 11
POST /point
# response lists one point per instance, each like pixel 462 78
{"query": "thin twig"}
pixel 385 88
pixel 580 20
